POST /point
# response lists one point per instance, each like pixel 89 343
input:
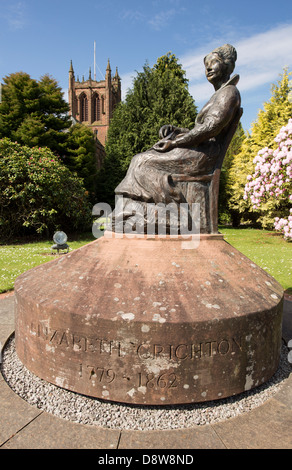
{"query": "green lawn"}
pixel 18 258
pixel 267 249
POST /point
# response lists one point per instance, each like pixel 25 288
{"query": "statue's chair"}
pixel 205 189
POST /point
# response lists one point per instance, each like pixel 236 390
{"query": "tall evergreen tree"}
pixel 225 213
pixel 80 157
pixel 20 98
pixel 33 113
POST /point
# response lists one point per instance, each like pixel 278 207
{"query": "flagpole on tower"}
pixel 94 60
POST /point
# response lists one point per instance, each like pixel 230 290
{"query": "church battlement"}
pixel 92 102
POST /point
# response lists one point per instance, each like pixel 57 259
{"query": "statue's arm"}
pixel 211 127
pixel 216 118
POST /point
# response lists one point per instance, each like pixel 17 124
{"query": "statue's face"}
pixel 215 70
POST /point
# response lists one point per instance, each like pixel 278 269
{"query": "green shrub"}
pixel 38 193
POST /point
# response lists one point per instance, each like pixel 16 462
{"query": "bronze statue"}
pixel 184 166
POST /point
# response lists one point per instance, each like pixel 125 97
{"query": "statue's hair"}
pixel 227 54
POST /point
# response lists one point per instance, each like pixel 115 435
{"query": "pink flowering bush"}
pixel 270 187
pixel 285 226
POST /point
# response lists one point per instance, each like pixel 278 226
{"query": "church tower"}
pixel 92 102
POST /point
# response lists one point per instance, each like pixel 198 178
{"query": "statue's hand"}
pixel 163 146
pixel 165 131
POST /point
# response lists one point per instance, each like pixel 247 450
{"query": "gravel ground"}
pixel 81 409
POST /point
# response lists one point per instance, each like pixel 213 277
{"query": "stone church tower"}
pixel 92 102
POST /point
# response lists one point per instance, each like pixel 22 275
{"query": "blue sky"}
pixel 40 37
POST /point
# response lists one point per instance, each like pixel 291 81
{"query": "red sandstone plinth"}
pixel 146 321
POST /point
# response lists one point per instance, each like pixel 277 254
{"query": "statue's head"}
pixel 223 58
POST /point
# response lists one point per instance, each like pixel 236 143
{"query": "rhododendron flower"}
pixel 272 177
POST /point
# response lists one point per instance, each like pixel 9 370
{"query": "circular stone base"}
pixel 150 321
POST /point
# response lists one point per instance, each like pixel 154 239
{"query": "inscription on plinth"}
pixel 105 367
pixel 77 342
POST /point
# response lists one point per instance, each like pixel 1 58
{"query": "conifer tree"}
pixel 225 214
pixel 33 113
pixel 80 157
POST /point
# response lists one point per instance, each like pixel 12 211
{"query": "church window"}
pixel 83 108
pixel 96 108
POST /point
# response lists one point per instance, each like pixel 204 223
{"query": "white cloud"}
pixel 201 91
pixel 65 94
pixel 126 82
pixel 261 58
pixel 133 15
pixel 14 15
pixel 263 48
pixel 193 65
pixel 160 20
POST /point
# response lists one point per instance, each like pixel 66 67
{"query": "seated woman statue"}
pixel 183 154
